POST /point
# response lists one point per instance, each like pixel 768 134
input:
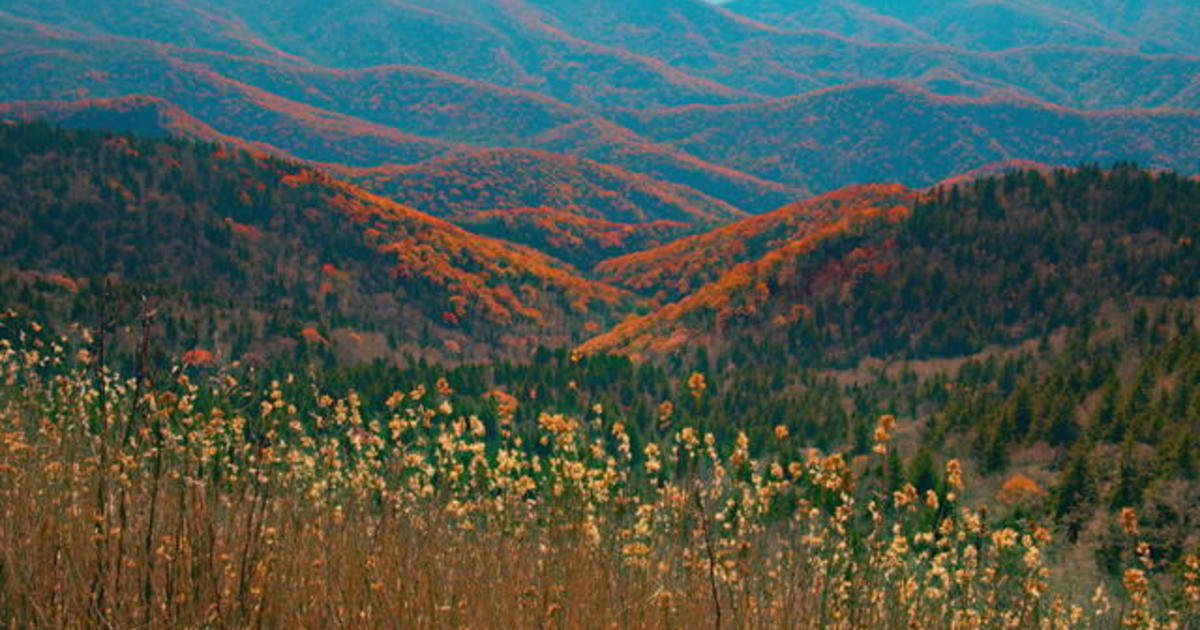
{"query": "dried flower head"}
pixel 1129 521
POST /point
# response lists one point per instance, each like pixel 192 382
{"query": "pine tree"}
pixel 1128 491
pixel 922 473
pixel 1074 493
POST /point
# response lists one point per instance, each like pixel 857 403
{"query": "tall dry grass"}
pixel 215 505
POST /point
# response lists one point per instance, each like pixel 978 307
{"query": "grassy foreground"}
pixel 204 502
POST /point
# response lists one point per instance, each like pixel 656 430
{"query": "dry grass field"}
pixel 207 503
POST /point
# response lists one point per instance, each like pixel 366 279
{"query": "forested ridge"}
pixel 248 254
pixel 992 261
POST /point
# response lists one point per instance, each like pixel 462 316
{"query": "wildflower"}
pixel 1137 585
pixel 1135 581
pixel 636 549
pixel 591 531
pixel 1191 578
pixel 653 465
pixel 883 432
pixel 557 423
pixel 1019 489
pixel 665 411
pixel 905 497
pixel 954 474
pixel 833 473
pixel 741 452
pixel 1129 521
pixel 1032 558
pixel 781 432
pixel 1143 554
pixel 1004 538
pixel 697 384
pixel 795 469
pixel 1100 602
pixel 199 358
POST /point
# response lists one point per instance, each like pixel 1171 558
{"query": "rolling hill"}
pixel 499 179
pixel 1160 26
pixel 677 269
pixel 651 54
pixel 709 98
pixel 943 273
pixel 139 115
pixel 497 42
pixel 593 129
pixel 360 118
pixel 570 236
pixel 870 132
pixel 83 68
pixel 577 210
pixel 574 209
pixel 246 252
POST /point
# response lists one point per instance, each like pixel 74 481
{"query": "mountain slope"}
pixel 249 240
pixel 140 115
pixel 603 141
pixel 577 210
pixel 636 53
pixel 77 68
pixel 499 179
pixel 870 132
pixel 286 77
pixel 998 260
pixel 489 42
pixel 1163 25
pixel 573 237
pixel 499 42
pixel 759 59
pixel 455 186
pixel 675 270
pixel 362 118
pixel 372 85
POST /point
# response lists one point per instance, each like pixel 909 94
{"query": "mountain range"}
pixel 635 158
pixel 1163 26
pixel 254 257
pixel 371 84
